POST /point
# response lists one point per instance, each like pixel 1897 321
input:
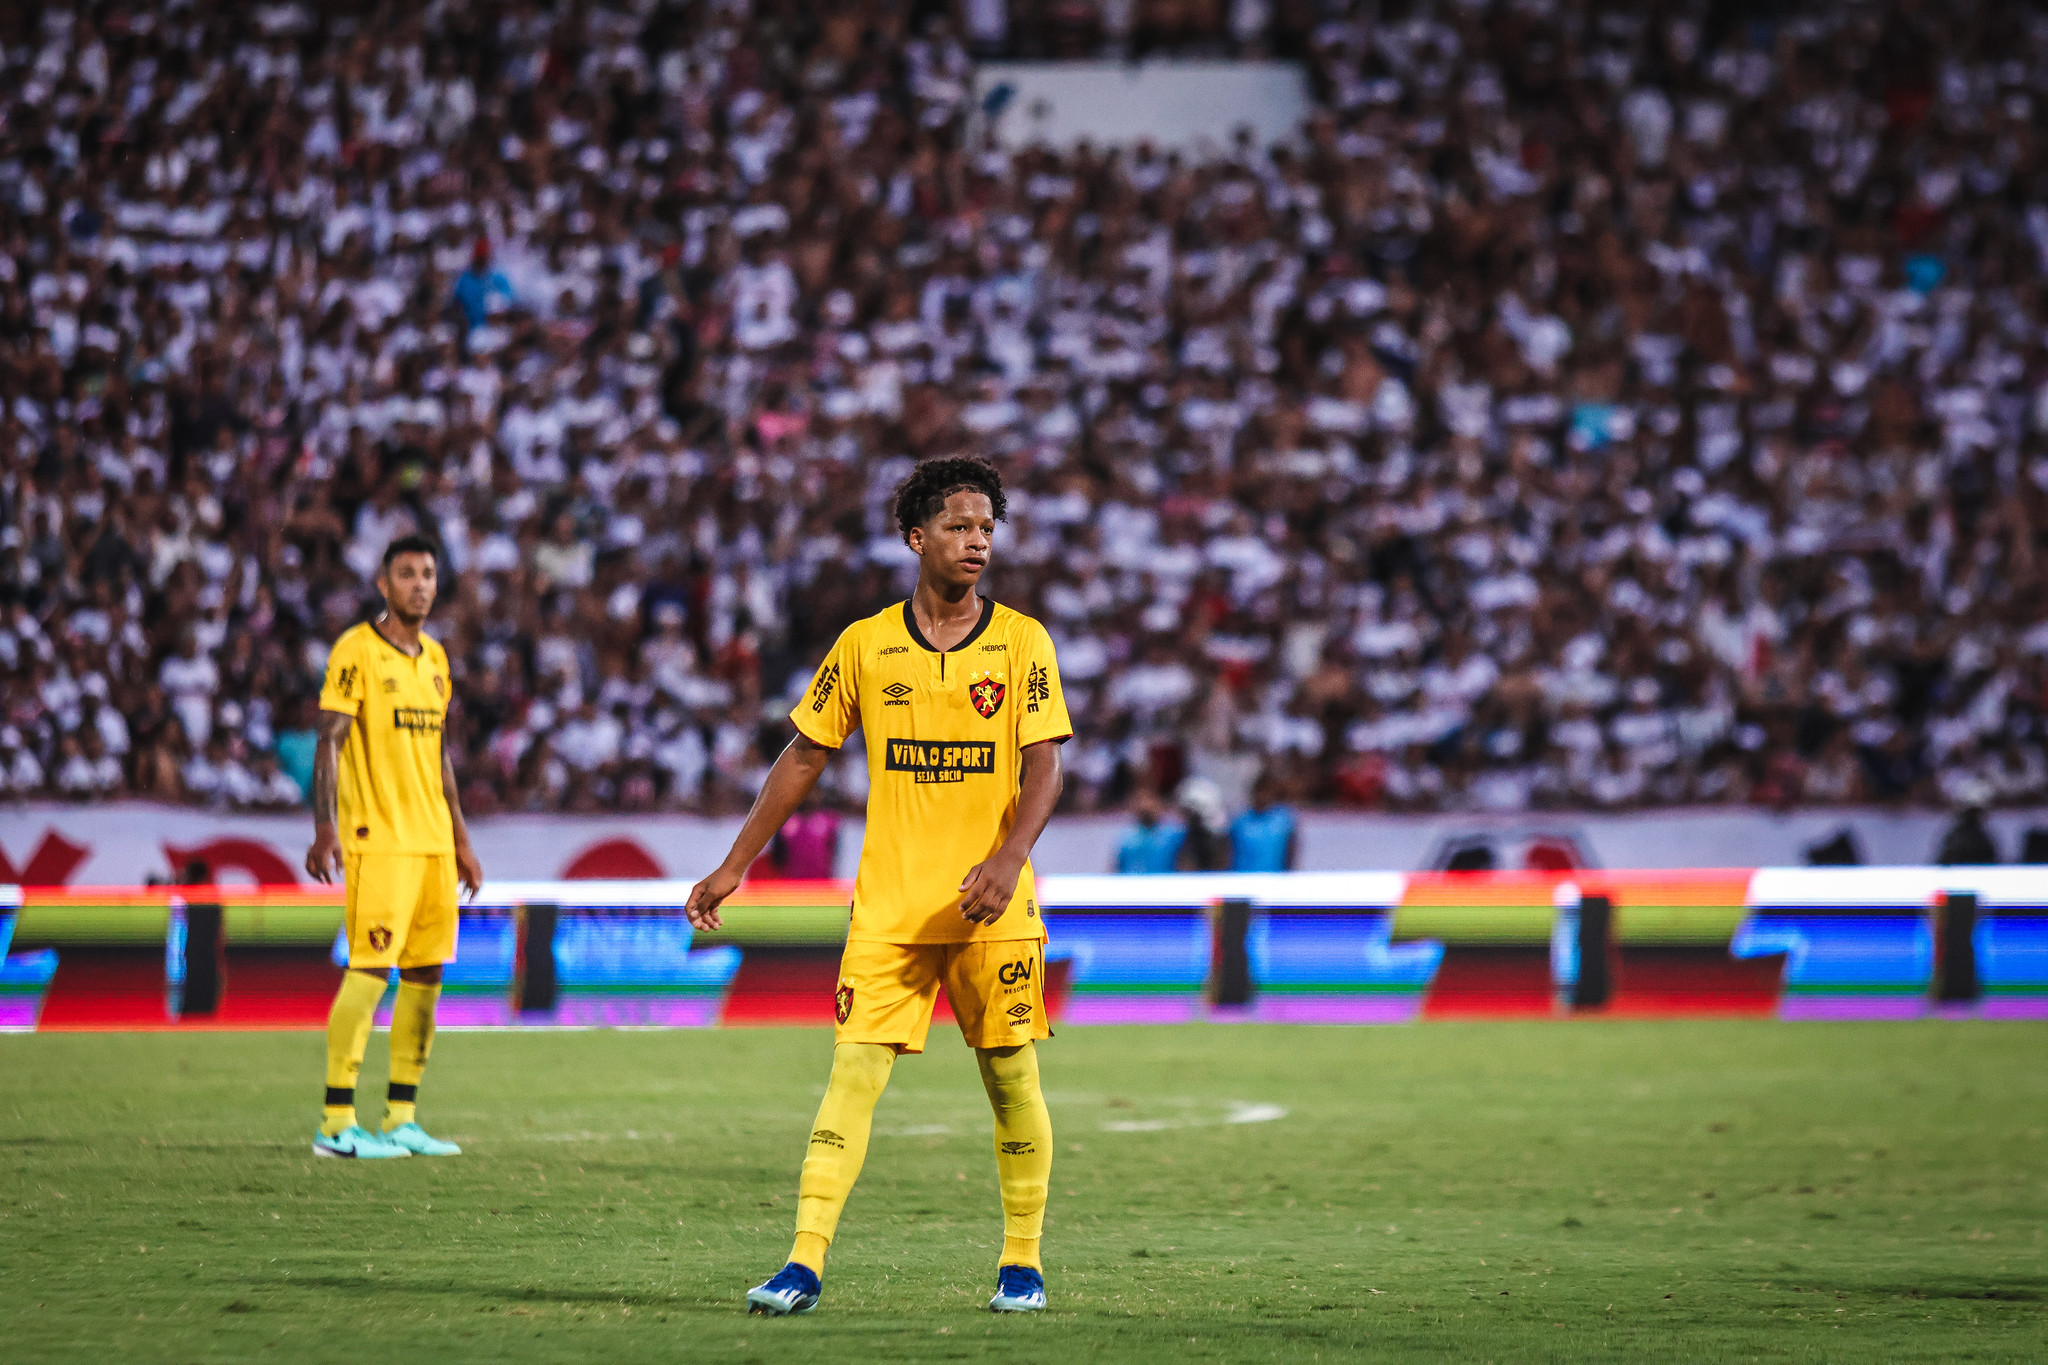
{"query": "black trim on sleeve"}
pixel 988 613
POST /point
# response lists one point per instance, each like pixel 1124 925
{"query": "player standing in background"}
pixel 964 715
pixel 386 818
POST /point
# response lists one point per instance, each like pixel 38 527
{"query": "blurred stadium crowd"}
pixel 1593 408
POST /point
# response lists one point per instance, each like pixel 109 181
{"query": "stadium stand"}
pixel 1587 409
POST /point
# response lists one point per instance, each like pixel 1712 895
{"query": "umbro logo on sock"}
pixel 829 1138
pixel 1016 1148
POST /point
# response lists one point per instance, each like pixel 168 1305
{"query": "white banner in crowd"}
pixel 131 842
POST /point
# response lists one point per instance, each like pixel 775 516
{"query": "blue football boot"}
pixel 794 1289
pixel 356 1141
pixel 1019 1289
pixel 419 1142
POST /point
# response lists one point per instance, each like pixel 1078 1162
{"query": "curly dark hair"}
pixel 920 497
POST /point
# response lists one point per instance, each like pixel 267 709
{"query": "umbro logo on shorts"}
pixel 1019 1011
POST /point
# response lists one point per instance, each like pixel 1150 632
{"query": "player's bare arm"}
pixel 986 890
pixel 795 772
pixel 467 866
pixel 323 859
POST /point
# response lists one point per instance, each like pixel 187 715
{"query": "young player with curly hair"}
pixel 964 714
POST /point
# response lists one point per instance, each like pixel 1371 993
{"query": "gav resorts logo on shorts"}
pixel 986 691
pixel 1013 972
pixel 842 1001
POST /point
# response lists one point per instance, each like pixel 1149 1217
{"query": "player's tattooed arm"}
pixel 986 890
pixel 467 866
pixel 789 782
pixel 323 859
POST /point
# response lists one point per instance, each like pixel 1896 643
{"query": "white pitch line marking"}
pixel 1237 1112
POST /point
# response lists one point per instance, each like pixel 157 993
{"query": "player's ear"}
pixel 915 540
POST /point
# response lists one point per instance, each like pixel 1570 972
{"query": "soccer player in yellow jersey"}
pixel 386 818
pixel 961 703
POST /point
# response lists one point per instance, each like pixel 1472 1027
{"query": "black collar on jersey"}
pixel 394 644
pixel 988 611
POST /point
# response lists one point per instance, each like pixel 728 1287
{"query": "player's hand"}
pixel 707 895
pixel 323 859
pixel 986 890
pixel 468 870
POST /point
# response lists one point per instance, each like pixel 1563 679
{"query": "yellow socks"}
pixel 1023 1148
pixel 839 1144
pixel 348 1033
pixel 412 1038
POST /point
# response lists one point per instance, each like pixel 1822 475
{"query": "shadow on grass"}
pixel 515 1295
pixel 1993 1288
pixel 1266 1325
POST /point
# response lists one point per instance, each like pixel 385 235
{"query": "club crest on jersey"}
pixel 842 1001
pixel 986 691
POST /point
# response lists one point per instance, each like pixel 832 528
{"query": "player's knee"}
pixel 862 1066
pixel 1007 1069
pixel 421 976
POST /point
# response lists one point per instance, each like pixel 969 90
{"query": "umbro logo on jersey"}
pixel 898 694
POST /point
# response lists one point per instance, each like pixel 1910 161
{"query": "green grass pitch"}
pixel 1511 1192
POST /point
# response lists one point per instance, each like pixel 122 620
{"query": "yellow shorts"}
pixel 995 986
pixel 402 909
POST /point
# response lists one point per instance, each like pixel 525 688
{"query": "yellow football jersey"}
pixel 945 738
pixel 390 798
